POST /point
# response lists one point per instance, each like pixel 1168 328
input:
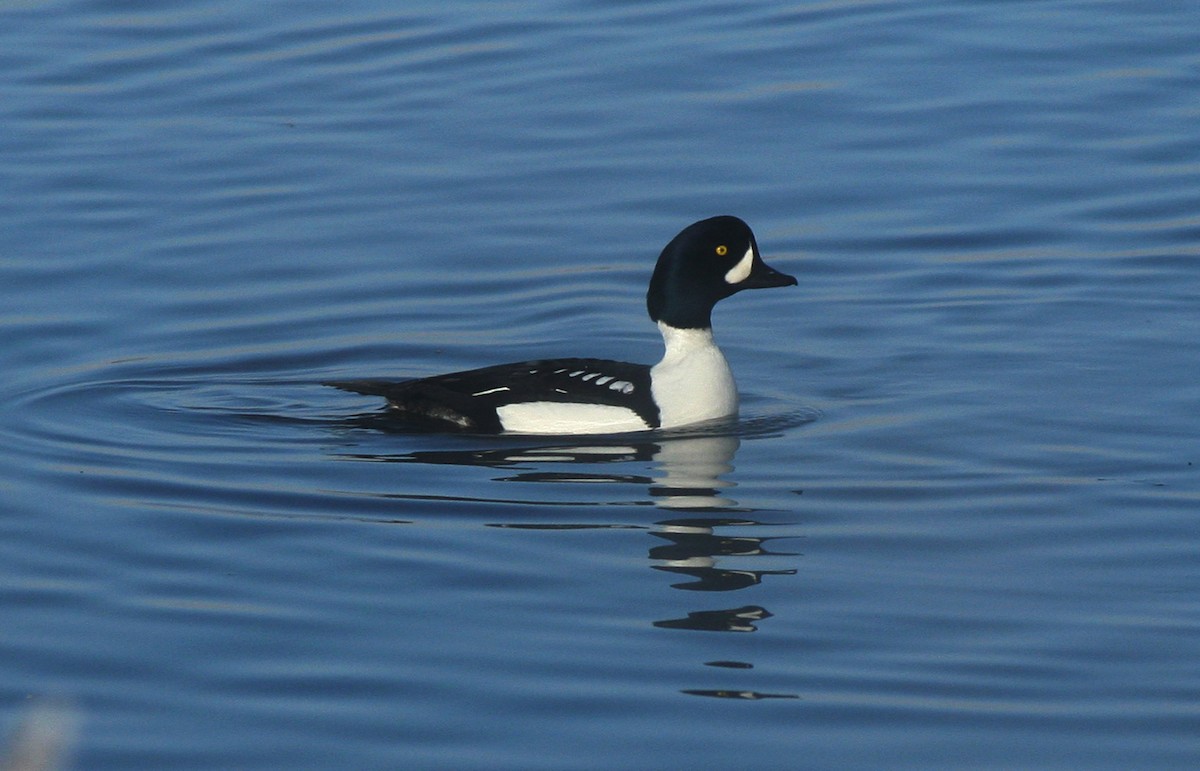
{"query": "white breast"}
pixel 692 382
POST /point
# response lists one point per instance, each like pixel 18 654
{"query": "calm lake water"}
pixel 957 525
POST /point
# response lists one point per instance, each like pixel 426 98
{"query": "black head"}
pixel 708 261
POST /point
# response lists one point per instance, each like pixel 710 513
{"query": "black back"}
pixel 468 400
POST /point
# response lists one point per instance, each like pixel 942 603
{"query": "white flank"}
pixel 496 390
pixel 740 272
pixel 692 382
pixel 568 418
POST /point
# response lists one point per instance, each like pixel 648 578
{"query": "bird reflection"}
pixel 682 473
pixel 710 540
pixel 695 549
pixel 732 620
pixel 745 695
pixel 690 473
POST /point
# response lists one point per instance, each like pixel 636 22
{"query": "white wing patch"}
pixel 740 272
pixel 568 418
pixel 496 390
pixel 620 386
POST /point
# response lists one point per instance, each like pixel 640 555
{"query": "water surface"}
pixel 955 525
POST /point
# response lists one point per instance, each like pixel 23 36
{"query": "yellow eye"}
pixel 722 250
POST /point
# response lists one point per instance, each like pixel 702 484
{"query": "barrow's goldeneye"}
pixel 707 262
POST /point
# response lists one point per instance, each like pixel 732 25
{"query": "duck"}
pixel 703 264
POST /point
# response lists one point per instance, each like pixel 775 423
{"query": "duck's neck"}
pixel 692 382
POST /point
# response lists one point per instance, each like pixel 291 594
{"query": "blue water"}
pixel 957 525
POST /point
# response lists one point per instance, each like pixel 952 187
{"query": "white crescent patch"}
pixel 740 272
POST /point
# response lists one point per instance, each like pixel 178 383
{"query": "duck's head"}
pixel 708 261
